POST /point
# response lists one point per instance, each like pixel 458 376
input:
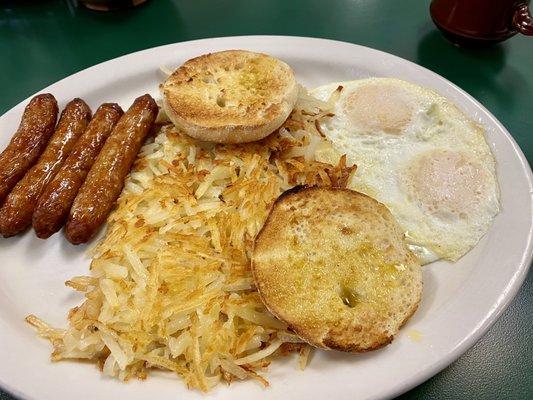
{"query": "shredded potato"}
pixel 170 285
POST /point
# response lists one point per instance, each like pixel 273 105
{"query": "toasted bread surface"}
pixel 232 96
pixel 333 264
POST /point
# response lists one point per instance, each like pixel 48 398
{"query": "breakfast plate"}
pixel 460 300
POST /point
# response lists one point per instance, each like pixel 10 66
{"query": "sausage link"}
pixel 36 126
pixel 106 177
pixel 54 203
pixel 16 212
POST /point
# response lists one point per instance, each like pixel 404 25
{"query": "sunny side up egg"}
pixel 420 156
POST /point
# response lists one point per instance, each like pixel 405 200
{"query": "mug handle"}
pixel 522 20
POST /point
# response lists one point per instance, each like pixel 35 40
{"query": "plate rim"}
pixel 498 306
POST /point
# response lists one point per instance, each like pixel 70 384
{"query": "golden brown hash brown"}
pixel 170 285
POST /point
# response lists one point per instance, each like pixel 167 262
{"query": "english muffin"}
pixel 232 96
pixel 333 264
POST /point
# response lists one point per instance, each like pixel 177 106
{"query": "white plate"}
pixel 460 300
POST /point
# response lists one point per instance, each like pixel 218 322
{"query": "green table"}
pixel 43 41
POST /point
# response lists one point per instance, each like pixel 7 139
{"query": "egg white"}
pixel 418 154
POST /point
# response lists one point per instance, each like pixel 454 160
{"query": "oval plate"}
pixel 460 300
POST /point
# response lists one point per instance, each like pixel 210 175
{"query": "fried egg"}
pixel 418 154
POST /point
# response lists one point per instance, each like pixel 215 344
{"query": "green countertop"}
pixel 43 41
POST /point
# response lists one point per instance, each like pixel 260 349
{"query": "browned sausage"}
pixel 106 177
pixel 17 210
pixel 54 204
pixel 36 126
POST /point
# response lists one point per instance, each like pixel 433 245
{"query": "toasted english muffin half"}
pixel 232 96
pixel 333 264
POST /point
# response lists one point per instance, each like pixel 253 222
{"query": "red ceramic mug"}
pixel 473 22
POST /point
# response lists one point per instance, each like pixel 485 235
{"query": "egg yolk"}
pixel 445 182
pixel 378 108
